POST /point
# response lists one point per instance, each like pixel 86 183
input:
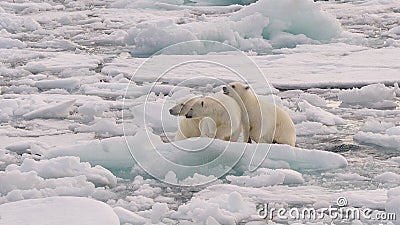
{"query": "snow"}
pixel 59 44
pixel 387 141
pixel 395 160
pixel 371 96
pixel 267 177
pixel 277 155
pixel 11 43
pixel 104 128
pixel 55 110
pixel 126 216
pixel 317 114
pixel 68 84
pixel 388 177
pixel 53 210
pixel 144 147
pixel 393 202
pixel 110 152
pixel 15 24
pixel 18 185
pixel 26 147
pixel 90 110
pixel 157 212
pixel 58 176
pixel 61 62
pixel 169 3
pixel 277 28
pixel 351 177
pixel 202 210
pixel 311 69
pixel 375 126
pixel 293 18
pixel 393 131
pixel 313 128
pixel 83 118
pixel 357 69
pixel 218 197
pixel 313 99
pixel 66 167
pixel 155 114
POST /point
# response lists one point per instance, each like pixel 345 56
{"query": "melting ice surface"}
pixel 70 140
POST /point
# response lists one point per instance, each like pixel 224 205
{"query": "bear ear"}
pixel 246 88
pixel 202 103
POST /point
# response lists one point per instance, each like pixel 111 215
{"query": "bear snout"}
pixel 225 90
pixel 189 114
pixel 171 111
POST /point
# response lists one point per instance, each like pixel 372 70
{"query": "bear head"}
pixel 182 107
pixel 206 107
pixel 238 88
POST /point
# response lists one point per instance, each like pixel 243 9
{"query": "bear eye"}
pixel 202 103
pixel 247 87
pixel 233 86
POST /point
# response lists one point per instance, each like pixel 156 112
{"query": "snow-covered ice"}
pixel 267 177
pixel 58 210
pixel 85 127
pixel 58 110
pixel 113 153
pixel 388 141
pixel 314 113
pixel 313 128
pixel 249 28
pixel 372 96
pixel 66 167
pixel 392 204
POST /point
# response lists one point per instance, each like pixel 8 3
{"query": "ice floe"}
pixel 387 141
pixel 53 210
pixel 317 114
pixel 373 96
pixel 220 156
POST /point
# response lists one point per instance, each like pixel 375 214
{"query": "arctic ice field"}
pixel 86 136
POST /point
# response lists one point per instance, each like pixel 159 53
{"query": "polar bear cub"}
pixel 268 123
pixel 224 111
pixel 191 127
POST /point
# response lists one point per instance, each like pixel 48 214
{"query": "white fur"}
pixel 223 110
pixel 188 128
pixel 207 127
pixel 199 127
pixel 268 122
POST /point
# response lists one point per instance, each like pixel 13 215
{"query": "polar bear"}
pixel 199 127
pixel 268 123
pixel 224 111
